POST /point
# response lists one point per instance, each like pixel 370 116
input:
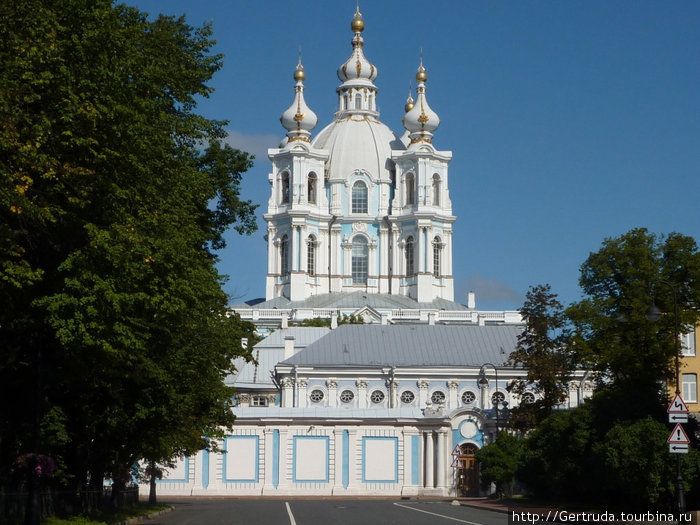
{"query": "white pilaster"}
pixel 429 459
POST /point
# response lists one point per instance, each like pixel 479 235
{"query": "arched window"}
pixel 284 255
pixel 410 188
pixel 311 187
pixel 284 198
pixel 359 197
pixel 311 255
pixel 360 253
pixel 410 269
pixel 437 257
pixel 436 190
pixel 371 102
pixel 358 101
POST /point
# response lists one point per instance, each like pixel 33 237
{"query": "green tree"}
pixel 612 335
pixel 114 197
pixel 542 349
pixel 499 463
pixel 557 463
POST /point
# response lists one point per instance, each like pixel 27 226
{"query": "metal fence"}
pixel 58 503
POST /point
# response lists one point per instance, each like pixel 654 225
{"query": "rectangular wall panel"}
pixel 380 459
pixel 241 459
pixel 310 459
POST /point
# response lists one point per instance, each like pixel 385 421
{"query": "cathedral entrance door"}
pixel 467 471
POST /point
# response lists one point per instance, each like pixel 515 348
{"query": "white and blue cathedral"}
pixel 359 222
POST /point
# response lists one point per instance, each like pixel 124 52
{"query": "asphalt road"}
pixel 323 512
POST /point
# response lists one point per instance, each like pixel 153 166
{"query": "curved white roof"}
pixel 358 142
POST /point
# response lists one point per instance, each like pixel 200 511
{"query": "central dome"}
pixel 358 142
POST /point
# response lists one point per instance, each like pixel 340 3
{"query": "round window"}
pixel 346 396
pixel 377 396
pixel 528 398
pixel 407 397
pixel 498 397
pixel 438 396
pixel 468 397
pixel 316 396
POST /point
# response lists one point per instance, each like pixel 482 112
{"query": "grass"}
pixel 106 518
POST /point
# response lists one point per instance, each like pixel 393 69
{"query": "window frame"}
pixel 689 385
pixel 359 198
pixel 284 255
pixel 285 184
pixel 436 189
pixel 359 262
pixel 409 256
pixel 312 188
pixel 311 255
pixel 410 183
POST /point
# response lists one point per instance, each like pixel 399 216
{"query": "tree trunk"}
pixel 152 483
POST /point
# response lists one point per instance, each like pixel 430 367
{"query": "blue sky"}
pixel 569 121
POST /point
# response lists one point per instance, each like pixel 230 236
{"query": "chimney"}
pixel 288 346
pixel 431 318
pixel 471 301
pixel 385 319
pixel 285 320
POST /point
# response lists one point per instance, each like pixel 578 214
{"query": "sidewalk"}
pixel 503 506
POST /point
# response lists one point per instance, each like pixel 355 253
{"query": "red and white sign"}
pixel 677 406
pixel 678 436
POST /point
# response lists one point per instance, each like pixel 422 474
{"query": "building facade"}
pixel 360 223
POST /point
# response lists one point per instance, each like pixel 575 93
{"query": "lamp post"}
pixel 653 314
pixel 482 381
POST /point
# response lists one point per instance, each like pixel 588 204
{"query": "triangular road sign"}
pixel 678 435
pixel 677 406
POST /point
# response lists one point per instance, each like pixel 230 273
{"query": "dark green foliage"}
pixel 342 319
pixel 557 459
pixel 499 462
pixel 612 450
pixel 612 335
pixel 543 351
pixel 113 196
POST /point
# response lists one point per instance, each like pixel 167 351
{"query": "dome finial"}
pixel 299 74
pixel 409 101
pixel 421 75
pixel 357 25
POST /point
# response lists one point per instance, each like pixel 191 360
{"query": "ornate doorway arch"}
pixel 467 474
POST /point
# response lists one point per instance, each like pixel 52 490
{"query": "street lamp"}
pixel 484 381
pixel 653 314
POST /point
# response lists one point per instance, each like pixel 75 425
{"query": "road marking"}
pixel 291 516
pixel 438 515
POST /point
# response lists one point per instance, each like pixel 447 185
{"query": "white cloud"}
pixel 250 143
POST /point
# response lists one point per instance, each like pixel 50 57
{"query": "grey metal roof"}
pixel 269 352
pixel 303 336
pixel 327 413
pixel 354 300
pixel 410 345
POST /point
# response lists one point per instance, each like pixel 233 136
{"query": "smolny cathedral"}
pixel 359 223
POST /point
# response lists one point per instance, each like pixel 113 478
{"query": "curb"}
pixel 141 519
pixel 475 505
